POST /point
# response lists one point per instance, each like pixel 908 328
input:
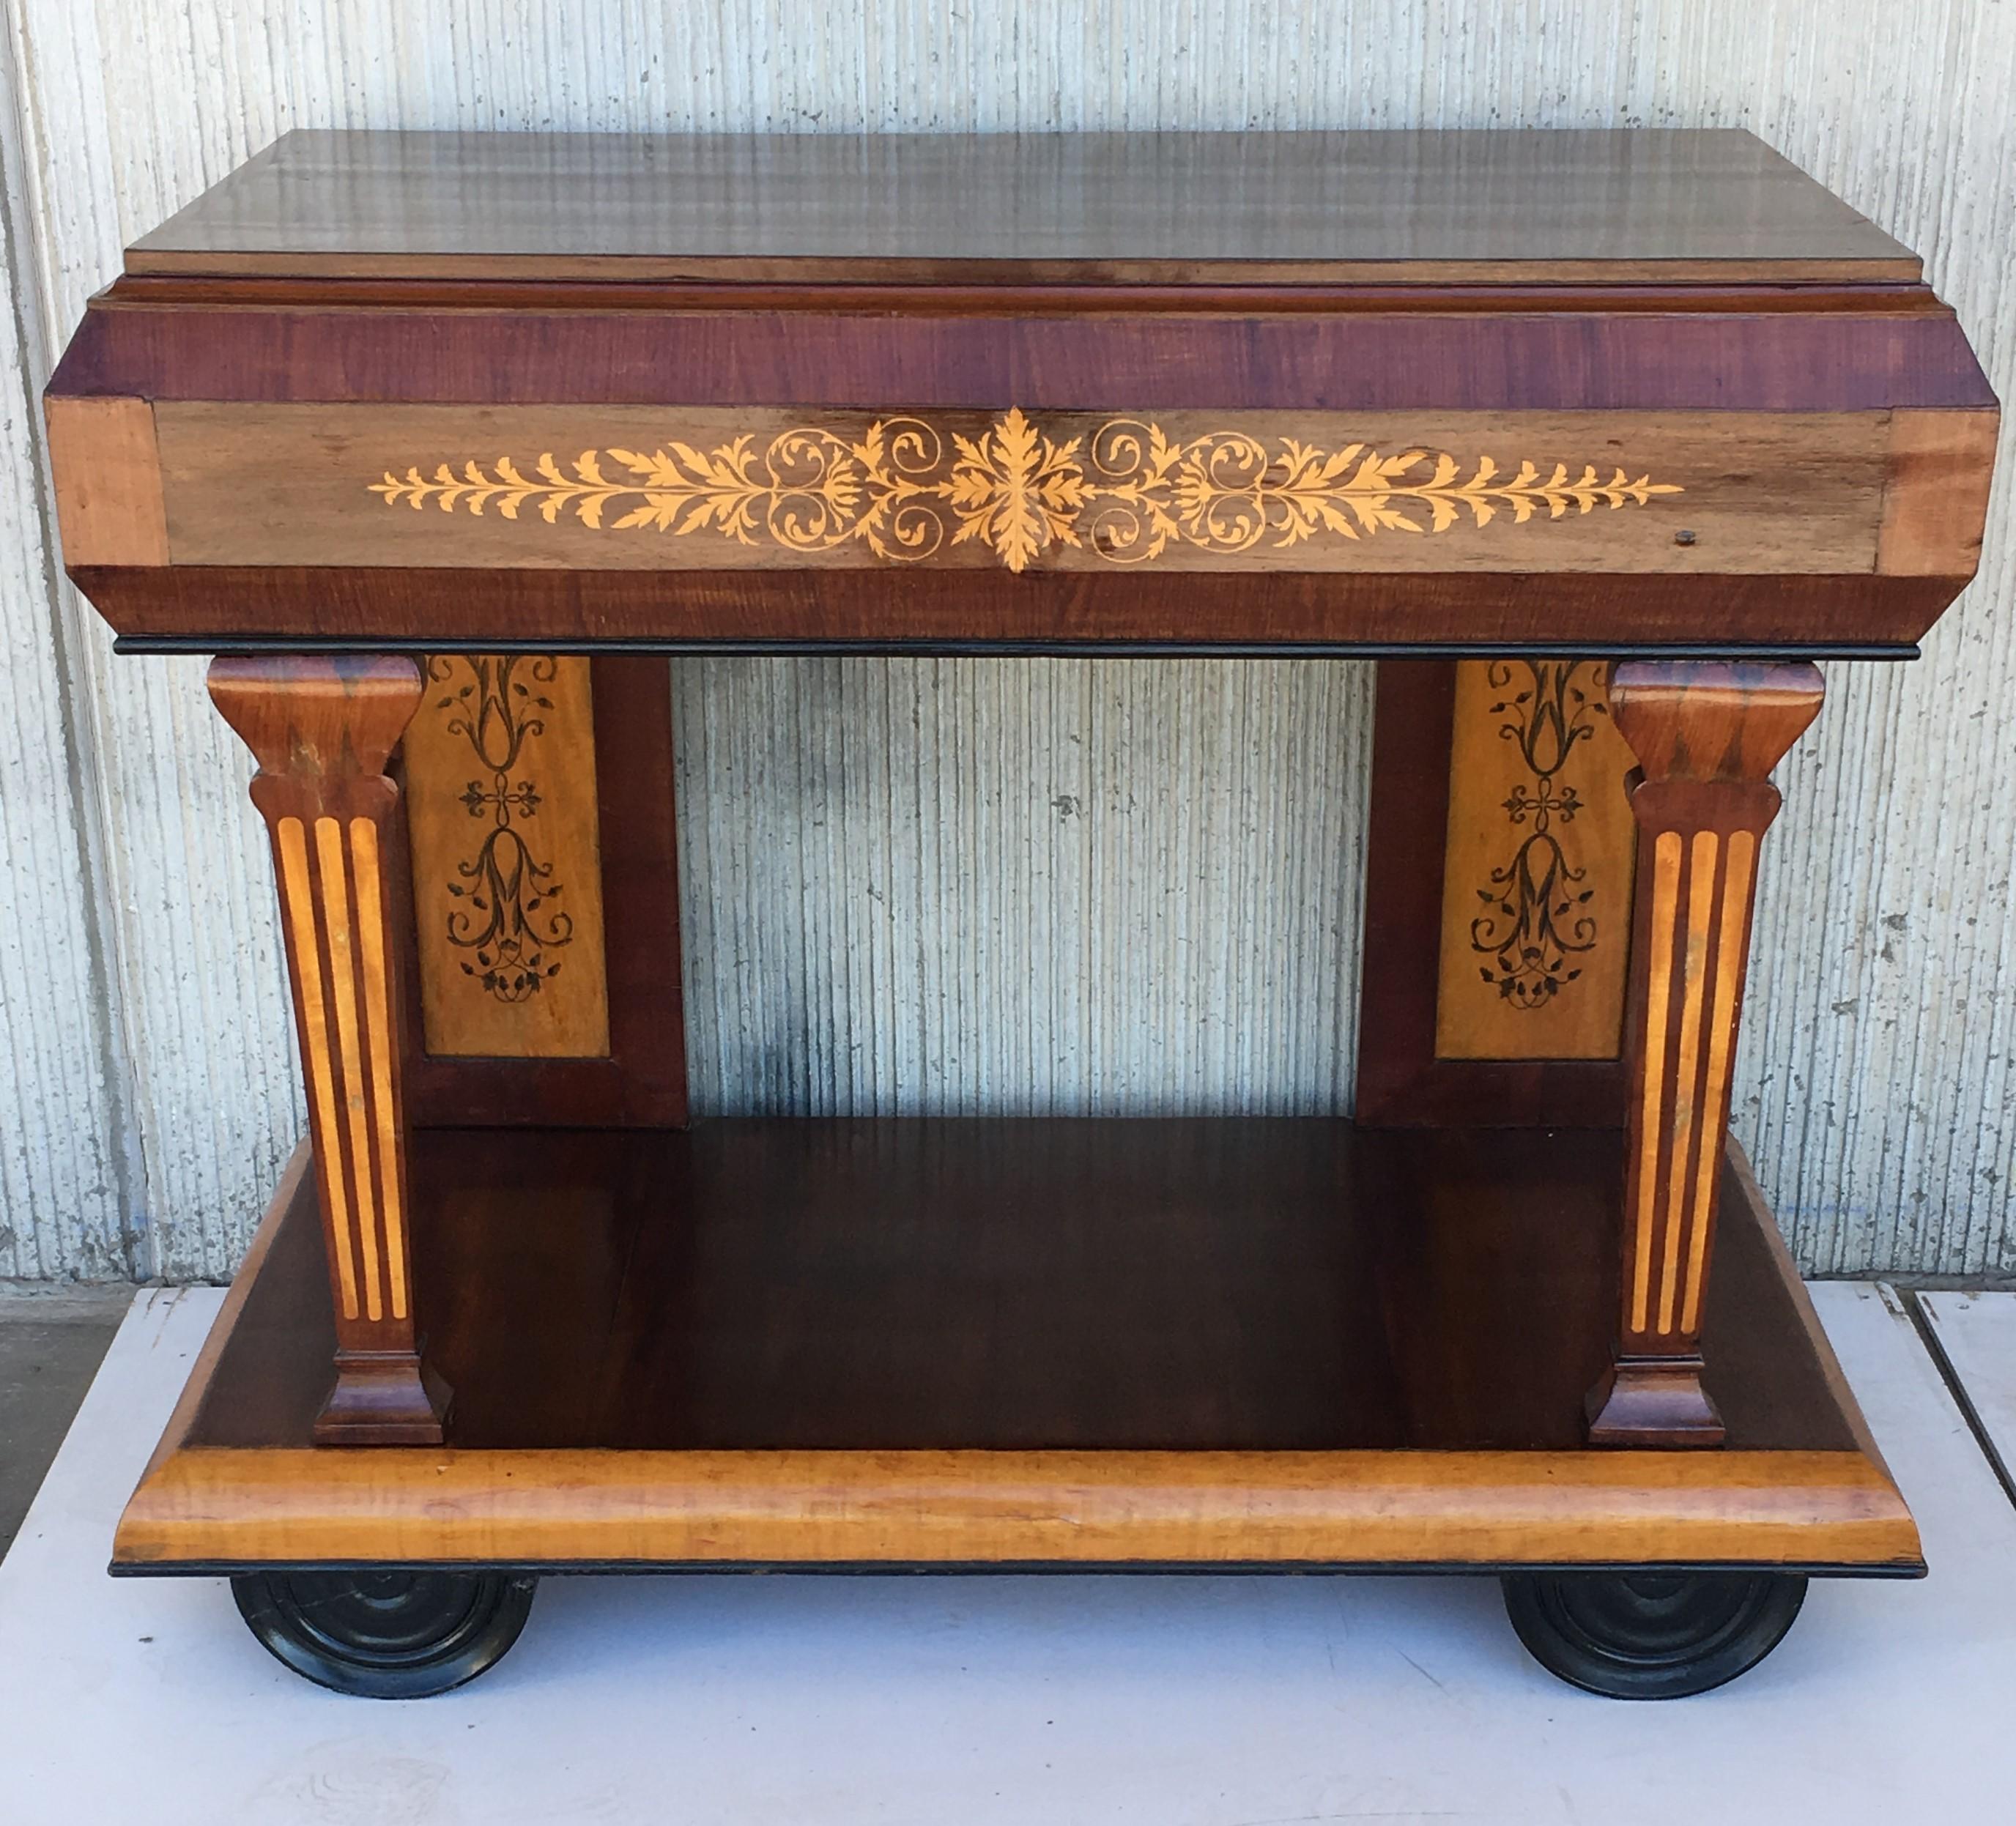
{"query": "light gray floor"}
pixel 51 1344
pixel 823 1701
pixel 1974 1334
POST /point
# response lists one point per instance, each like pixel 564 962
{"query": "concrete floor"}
pixel 51 1341
pixel 1172 1702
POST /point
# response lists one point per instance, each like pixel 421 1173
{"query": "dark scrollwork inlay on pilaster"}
pixel 508 911
pixel 1537 915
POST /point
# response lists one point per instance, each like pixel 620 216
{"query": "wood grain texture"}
pixel 1771 1237
pixel 581 1331
pixel 1935 503
pixel 109 499
pixel 517 350
pixel 1019 1284
pixel 503 814
pixel 209 1506
pixel 640 1080
pixel 359 486
pixel 1400 1079
pixel 1537 866
pixel 1396 295
pixel 323 731
pixel 212 607
pixel 1114 206
pixel 292 1207
pixel 1706 736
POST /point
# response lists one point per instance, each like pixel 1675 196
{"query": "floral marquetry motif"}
pixel 1125 491
pixel 512 918
pixel 1537 918
pixel 507 890
pixel 1536 905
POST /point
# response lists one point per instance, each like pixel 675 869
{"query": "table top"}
pixel 1604 392
pixel 1667 204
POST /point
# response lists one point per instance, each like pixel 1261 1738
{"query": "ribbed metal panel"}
pixel 1119 887
pixel 1003 885
pixel 63 1193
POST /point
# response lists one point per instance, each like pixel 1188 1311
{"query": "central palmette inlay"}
pixel 1125 491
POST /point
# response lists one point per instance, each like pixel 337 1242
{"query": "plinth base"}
pixel 1031 1344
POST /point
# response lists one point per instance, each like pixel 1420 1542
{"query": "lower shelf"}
pixel 1016 1343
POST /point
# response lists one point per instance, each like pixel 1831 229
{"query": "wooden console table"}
pixel 1598 441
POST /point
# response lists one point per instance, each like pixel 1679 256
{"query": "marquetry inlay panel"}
pixel 1537 865
pixel 1123 489
pixel 502 811
pixel 624 487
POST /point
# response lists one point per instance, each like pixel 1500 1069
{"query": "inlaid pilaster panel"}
pixel 1537 865
pixel 504 820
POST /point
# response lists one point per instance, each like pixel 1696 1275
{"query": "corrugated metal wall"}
pixel 1069 886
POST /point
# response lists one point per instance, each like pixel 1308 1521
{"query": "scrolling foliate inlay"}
pixel 1126 491
pixel 509 915
pixel 1539 916
pixel 1538 865
pixel 503 823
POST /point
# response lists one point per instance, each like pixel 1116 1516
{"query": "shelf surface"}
pixel 1015 1343
pixel 1042 1285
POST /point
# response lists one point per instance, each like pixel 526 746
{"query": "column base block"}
pixel 1653 1401
pixel 383 1398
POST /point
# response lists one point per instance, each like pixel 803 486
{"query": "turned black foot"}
pixel 1652 1635
pixel 386 1634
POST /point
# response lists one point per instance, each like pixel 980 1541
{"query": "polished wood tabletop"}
pixel 1168 208
pixel 1606 392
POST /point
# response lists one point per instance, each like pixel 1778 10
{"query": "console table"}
pixel 1596 441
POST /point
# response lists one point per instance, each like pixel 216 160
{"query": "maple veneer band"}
pixel 298 892
pixel 1666 849
pixel 210 1505
pixel 1731 942
pixel 1687 1127
pixel 336 906
pixel 341 968
pixel 379 1038
pixel 107 470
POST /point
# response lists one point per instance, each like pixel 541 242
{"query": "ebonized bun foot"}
pixel 386 1633
pixel 1652 1635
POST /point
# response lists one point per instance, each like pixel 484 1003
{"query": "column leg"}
pixel 322 730
pixel 1706 733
